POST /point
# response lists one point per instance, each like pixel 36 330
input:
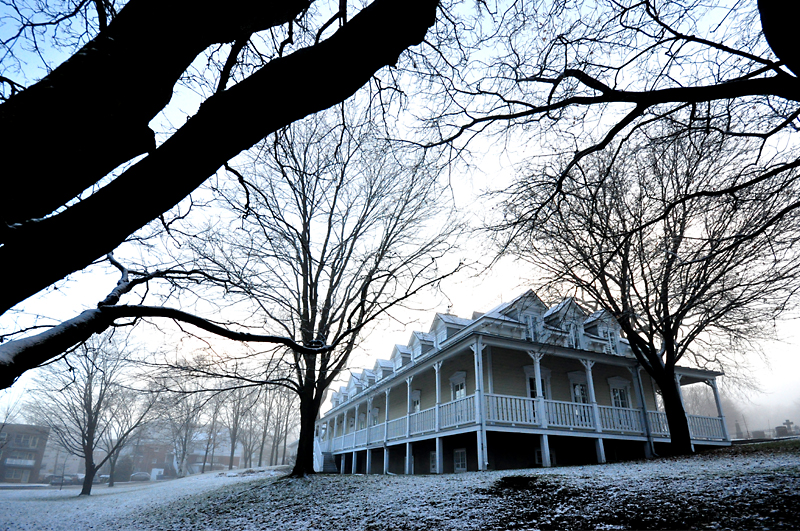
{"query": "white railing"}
pixel 338 443
pixel 706 427
pixel 324 444
pixel 318 458
pixel 511 409
pixel 361 437
pixel 397 428
pixel 457 412
pixel 424 421
pixel 349 440
pixel 621 419
pixel 569 414
pixel 376 433
pixel 658 423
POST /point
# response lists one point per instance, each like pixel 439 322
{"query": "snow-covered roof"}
pixel 423 337
pixel 454 320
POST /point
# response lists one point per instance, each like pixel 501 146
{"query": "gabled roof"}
pixel 600 315
pixel 523 302
pixel 383 364
pixel 422 337
pixel 563 307
pixel 453 320
pixel 402 349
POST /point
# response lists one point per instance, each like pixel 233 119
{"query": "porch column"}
pixel 541 411
pixel 437 367
pixel 439 456
pixel 386 418
pixel 335 427
pixel 477 350
pixel 408 405
pixel 489 375
pixel 544 448
pixel 385 460
pixel 409 457
pixel 344 463
pixel 712 382
pixel 355 425
pixel 355 463
pixel 598 427
pixel 637 388
pixel 368 423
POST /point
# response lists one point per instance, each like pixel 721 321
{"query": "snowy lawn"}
pixel 755 487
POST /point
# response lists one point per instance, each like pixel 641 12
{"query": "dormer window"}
pixel 532 323
pixel 573 339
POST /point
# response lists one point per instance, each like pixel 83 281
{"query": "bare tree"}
pixel 686 279
pixel 77 401
pixel 180 409
pixel 125 408
pixel 332 228
pixel 235 407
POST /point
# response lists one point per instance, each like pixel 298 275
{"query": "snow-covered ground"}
pixel 756 487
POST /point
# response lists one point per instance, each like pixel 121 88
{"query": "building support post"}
pixel 369 461
pixel 598 426
pixel 541 406
pixel 439 456
pixel 712 382
pixel 344 464
pixel 437 367
pixel 649 451
pixel 544 448
pixel 477 349
pixel 409 457
pixel 408 405
pixel 355 463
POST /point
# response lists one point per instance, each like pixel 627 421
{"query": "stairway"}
pixel 329 464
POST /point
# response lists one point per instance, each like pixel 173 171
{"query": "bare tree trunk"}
pixel 679 434
pixel 309 406
pixel 285 434
pixel 267 415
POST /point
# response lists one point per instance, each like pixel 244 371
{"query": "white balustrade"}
pixel 658 423
pixel 423 421
pixel 569 414
pixel 361 437
pixel 457 412
pixel 376 433
pixel 510 409
pixel 396 428
pixel 338 443
pixel 349 440
pixel 621 419
pixel 706 427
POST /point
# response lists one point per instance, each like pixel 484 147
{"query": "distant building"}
pixel 21 451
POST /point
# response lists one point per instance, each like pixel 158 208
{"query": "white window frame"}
pixel 457 454
pixel 457 378
pixel 416 403
pixel 573 336
pixel 374 414
pixel 362 421
pixel 578 378
pixel 530 374
pixel 532 328
pixel 617 382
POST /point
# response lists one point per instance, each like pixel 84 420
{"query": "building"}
pixel 21 451
pixel 555 386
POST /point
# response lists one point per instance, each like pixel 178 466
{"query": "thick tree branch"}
pixel 307 81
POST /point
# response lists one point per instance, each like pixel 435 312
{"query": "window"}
pixel 460 460
pixel 415 402
pixel 619 398
pixel 26 441
pixel 579 393
pixel 433 463
pixel 374 416
pixel 441 335
pixel 609 347
pixel 13 473
pixel 532 325
pixel 362 421
pixel 530 374
pixel 458 385
pixel 573 340
pixel 620 391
